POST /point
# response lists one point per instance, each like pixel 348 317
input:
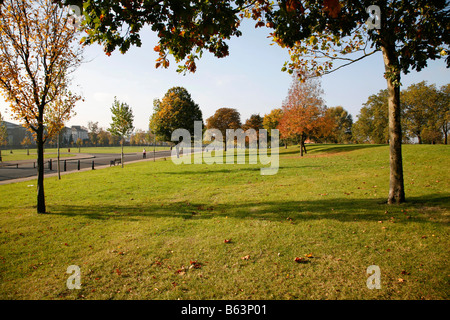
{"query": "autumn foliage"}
pixel 304 115
pixel 37 55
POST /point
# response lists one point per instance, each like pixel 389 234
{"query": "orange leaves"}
pixel 34 69
pixel 293 5
pixel 304 259
pixel 300 260
pixel 162 62
pixel 259 24
pixel 332 7
pixel 303 110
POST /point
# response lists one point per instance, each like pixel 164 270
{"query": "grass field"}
pixel 21 154
pixel 156 230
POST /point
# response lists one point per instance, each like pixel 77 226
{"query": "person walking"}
pixel 144 154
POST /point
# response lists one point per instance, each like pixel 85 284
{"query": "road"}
pixel 26 169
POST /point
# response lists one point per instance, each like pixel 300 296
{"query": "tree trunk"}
pixel 121 155
pixel 444 129
pixel 40 169
pixel 396 185
pixel 301 146
pixel 58 166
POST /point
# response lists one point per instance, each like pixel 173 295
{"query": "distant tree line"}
pixel 425 116
pixel 304 117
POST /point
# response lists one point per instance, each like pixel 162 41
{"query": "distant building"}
pixel 16 134
pixel 69 135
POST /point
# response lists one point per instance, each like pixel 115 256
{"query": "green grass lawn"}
pixel 21 154
pixel 156 230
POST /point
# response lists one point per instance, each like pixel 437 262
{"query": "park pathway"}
pixel 24 170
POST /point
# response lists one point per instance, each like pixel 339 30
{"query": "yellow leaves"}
pixel 313 40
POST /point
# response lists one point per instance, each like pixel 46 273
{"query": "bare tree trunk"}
pixel 121 155
pixel 40 169
pixel 444 129
pixel 301 146
pixel 396 185
pixel 58 166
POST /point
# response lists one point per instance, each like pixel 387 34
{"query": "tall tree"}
pixel 255 122
pixel 139 137
pixel 408 33
pixel 122 122
pixel 343 121
pixel 38 52
pixel 419 103
pixel 26 142
pixel 103 137
pixel 442 115
pixel 303 112
pixel 223 119
pixel 272 120
pixel 176 110
pixel 373 124
pixel 94 130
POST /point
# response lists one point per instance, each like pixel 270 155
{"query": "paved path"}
pixel 15 171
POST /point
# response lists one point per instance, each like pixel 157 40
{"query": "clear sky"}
pixel 249 79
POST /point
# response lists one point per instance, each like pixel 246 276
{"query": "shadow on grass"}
pixel 210 169
pixel 330 148
pixel 343 210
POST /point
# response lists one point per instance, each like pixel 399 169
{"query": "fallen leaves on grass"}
pixel 305 259
pixel 195 265
pixel 246 257
pixel 301 260
pixel 405 272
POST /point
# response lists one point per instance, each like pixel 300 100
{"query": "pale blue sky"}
pixel 250 80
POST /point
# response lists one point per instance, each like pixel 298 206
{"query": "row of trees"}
pixel 321 37
pixel 425 111
pixel 304 116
